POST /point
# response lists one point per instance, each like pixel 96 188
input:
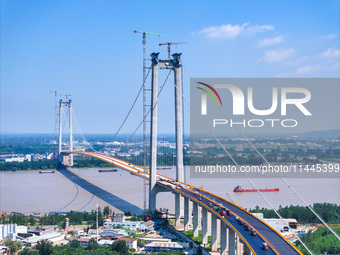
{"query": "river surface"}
pixel 82 189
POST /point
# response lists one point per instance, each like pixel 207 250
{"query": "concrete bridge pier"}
pixel 153 194
pixel 246 250
pixel 231 241
pixel 187 213
pixel 196 219
pixel 214 239
pixel 206 226
pixel 224 239
pixel 65 159
pixel 178 206
pixel 218 232
pixel 238 246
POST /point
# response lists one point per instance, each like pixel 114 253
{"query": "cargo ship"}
pixel 107 170
pixel 163 168
pixel 239 188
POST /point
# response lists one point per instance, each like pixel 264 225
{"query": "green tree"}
pixel 75 243
pixel 44 247
pixel 13 248
pixel 120 247
pixel 93 244
pixel 28 251
pixel 107 210
pixel 31 220
pixel 141 243
pixel 72 233
pixel 320 242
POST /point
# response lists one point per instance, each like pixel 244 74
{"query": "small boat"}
pixel 239 188
pixel 107 170
pixel 46 172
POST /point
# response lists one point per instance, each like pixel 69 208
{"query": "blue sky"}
pixel 89 49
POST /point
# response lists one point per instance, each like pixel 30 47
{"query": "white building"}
pixel 80 233
pixel 118 218
pixel 94 231
pixel 52 237
pixel 158 240
pixel 12 237
pixel 113 232
pixel 21 229
pixel 84 241
pixel 134 225
pixel 49 156
pixel 104 242
pixel 15 159
pixel 277 224
pixel 6 229
pixel 147 225
pixel 130 242
pixel 165 246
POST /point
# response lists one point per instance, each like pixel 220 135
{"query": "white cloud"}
pixel 271 41
pixel 257 29
pixel 230 31
pixel 224 31
pixel 277 55
pixel 308 69
pixel 331 36
pixel 331 53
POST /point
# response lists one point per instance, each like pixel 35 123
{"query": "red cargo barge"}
pixel 239 188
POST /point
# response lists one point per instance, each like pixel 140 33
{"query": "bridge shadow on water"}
pixel 106 196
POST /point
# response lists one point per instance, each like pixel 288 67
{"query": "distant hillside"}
pixel 322 133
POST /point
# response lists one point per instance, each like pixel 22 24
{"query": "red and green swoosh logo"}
pixel 209 93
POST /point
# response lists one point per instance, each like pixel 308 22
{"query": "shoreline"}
pixel 273 164
pixel 53 169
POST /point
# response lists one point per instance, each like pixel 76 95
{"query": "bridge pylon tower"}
pixel 66 160
pixel 175 65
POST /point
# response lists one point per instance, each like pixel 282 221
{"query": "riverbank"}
pixel 50 164
pixel 29 165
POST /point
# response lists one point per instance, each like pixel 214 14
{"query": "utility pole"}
pixel 145 110
pixel 97 222
pixel 169 44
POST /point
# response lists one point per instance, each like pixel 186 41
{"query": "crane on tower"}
pixel 169 45
pixel 145 105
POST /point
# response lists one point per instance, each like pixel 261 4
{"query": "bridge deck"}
pixel 277 243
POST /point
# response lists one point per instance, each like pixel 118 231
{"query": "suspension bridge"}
pixel 233 229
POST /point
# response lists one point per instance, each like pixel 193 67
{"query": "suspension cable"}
pixel 127 140
pixel 82 134
pixel 231 157
pixel 287 184
pixel 124 121
pixel 127 116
